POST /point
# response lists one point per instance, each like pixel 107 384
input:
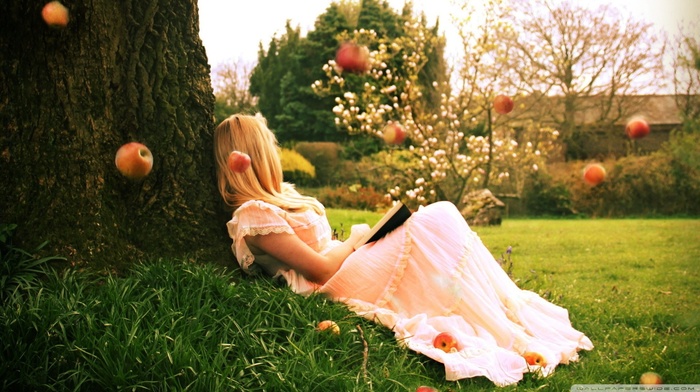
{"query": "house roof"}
pixel 655 109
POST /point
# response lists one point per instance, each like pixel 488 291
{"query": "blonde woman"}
pixel 432 275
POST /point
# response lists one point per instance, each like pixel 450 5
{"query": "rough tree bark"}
pixel 121 71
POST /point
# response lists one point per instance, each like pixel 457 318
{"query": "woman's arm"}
pixel 292 251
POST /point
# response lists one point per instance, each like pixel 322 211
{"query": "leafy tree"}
pixel 588 58
pixel 130 70
pixel 231 89
pixel 686 78
pixel 379 17
pixel 305 115
pixel 272 67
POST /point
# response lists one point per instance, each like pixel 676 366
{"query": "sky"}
pixel 232 30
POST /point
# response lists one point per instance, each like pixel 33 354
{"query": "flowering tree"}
pixel 457 148
pixel 686 75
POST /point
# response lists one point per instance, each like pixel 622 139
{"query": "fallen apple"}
pixel 650 378
pixel 134 160
pixel 445 341
pixel 329 325
pixel 637 128
pixel 503 104
pixel 534 359
pixel 394 133
pixel 55 14
pixel 352 57
pixel 594 174
pixel 238 161
pixel 424 388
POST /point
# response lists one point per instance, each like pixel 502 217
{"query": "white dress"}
pixel 430 275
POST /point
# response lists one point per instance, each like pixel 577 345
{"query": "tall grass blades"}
pixel 19 269
pixel 631 285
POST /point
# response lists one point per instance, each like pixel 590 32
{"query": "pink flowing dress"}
pixel 431 275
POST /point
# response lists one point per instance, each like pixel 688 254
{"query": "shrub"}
pixel 325 157
pixel 355 197
pixel 543 196
pixel 634 185
pixel 296 168
pixel 684 149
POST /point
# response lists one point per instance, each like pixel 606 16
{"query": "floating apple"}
pixel 424 388
pixel 134 160
pixel 637 128
pixel 352 57
pixel 394 133
pixel 534 359
pixel 329 325
pixel 594 174
pixel 238 161
pixel 445 341
pixel 650 378
pixel 503 104
pixel 55 14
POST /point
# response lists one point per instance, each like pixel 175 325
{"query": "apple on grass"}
pixel 238 161
pixel 134 160
pixel 445 341
pixel 534 359
pixel 328 325
pixel 637 128
pixel 503 104
pixel 352 57
pixel 594 174
pixel 425 388
pixel 55 14
pixel 394 133
pixel 650 378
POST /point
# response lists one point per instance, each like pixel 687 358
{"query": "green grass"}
pixel 631 285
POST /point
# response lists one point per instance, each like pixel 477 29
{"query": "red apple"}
pixel 394 133
pixel 532 358
pixel 238 161
pixel 650 378
pixel 134 160
pixel 503 104
pixel 55 14
pixel 424 388
pixel 328 325
pixel 445 341
pixel 352 57
pixel 637 128
pixel 594 174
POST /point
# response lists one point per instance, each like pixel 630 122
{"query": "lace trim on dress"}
pixel 248 258
pixel 266 230
pixel 400 268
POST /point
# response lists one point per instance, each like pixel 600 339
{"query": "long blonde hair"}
pixel 263 180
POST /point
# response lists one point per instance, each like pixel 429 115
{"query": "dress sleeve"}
pixel 254 217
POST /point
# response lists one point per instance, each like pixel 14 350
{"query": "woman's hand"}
pixel 357 232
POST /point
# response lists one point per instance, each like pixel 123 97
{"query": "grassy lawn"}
pixel 632 285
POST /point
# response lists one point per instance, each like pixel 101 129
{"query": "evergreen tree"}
pixel 273 66
pixel 283 77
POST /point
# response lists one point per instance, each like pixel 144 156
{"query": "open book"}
pixel 394 218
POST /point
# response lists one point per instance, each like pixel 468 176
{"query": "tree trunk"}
pixel 121 71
